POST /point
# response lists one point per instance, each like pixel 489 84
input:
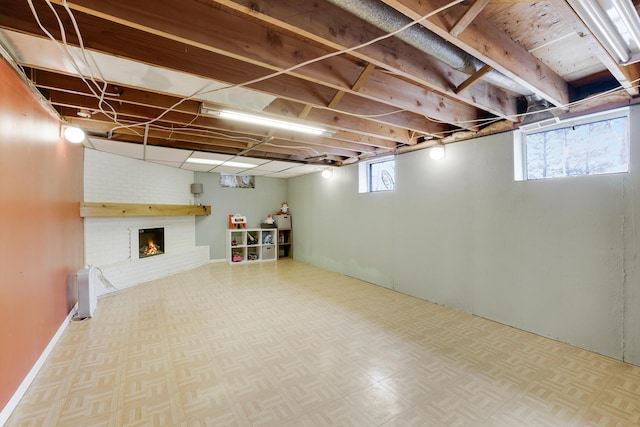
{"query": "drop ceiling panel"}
pixel 164 163
pixel 304 169
pixel 276 166
pixel 252 160
pixel 258 172
pixel 211 156
pixel 173 155
pixel 197 167
pixel 122 148
pixel 282 175
pixel 227 169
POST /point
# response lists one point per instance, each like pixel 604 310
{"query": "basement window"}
pixel 591 145
pixel 377 175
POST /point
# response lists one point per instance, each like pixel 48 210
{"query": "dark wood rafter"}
pixel 296 61
pixel 282 51
pixel 337 29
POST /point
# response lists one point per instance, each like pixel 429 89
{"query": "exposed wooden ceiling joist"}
pixel 385 97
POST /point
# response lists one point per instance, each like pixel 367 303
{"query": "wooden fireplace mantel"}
pixel 98 209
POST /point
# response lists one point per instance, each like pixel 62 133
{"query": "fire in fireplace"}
pixel 151 241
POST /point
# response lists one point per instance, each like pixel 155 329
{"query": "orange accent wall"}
pixel 41 232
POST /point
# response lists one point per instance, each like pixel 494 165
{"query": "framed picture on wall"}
pixel 237 181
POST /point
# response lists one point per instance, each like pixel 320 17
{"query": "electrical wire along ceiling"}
pixel 317 83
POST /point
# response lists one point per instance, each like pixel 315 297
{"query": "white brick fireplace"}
pixel 111 244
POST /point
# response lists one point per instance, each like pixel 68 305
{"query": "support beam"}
pixel 474 78
pixel 469 16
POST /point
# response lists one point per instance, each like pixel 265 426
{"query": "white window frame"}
pixel 364 177
pixel 520 137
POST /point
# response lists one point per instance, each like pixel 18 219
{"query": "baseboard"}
pixel 216 261
pixel 22 389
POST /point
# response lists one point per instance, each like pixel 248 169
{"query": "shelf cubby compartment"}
pixel 253 237
pixel 269 252
pixel 268 237
pixel 238 238
pixel 284 243
pixel 238 254
pixel 253 253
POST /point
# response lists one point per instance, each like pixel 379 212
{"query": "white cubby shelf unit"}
pixel 252 245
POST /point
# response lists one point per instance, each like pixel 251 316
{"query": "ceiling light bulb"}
pixel 327 173
pixel 437 152
pixel 73 134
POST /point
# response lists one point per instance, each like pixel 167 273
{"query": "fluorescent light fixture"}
pixel 265 121
pixel 220 162
pixel 437 152
pixel 73 134
pixel 616 25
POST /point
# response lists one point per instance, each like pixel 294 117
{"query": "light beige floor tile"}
pixel 289 344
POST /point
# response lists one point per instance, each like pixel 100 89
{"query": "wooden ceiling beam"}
pixel 484 41
pixel 68 104
pixel 146 48
pixel 468 17
pixel 350 126
pixel 474 78
pixel 177 139
pixel 337 29
pixel 628 76
pixel 355 87
pixel 268 48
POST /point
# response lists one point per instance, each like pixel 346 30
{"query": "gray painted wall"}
pixel 557 257
pixel 254 203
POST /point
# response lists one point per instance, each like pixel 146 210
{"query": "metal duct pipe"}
pixel 388 19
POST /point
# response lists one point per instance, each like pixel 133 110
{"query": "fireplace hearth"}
pixel 151 241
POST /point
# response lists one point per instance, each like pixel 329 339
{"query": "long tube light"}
pixel 265 121
pixel 615 23
pixel 212 162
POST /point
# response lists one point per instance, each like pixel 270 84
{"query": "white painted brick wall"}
pixel 108 241
pixel 112 178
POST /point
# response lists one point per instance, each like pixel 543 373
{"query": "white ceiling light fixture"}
pixel 73 134
pixel 437 152
pixel 327 173
pixel 263 120
pixel 213 162
pixel 616 25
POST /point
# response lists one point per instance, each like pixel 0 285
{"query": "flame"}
pixel 151 248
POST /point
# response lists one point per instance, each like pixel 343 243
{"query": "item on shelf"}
pixel 283 221
pixel 237 221
pixel 269 222
pixel 281 238
pixel 253 245
pixel 283 209
pixel 251 240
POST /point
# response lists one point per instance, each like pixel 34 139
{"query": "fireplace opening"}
pixel 151 241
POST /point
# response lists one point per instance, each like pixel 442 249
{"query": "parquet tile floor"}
pixel 289 344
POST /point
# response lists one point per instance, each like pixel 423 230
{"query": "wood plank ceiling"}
pixel 148 66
